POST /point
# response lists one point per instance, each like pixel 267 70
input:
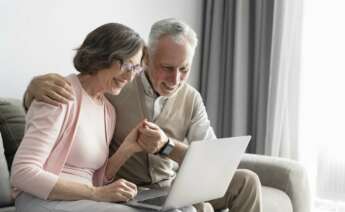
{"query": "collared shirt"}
pixel 155 104
pixel 152 99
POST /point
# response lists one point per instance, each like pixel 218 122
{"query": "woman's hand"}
pixel 119 191
pixel 130 144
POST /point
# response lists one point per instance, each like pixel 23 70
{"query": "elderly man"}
pixel 162 95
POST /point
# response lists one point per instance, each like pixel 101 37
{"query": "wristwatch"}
pixel 167 148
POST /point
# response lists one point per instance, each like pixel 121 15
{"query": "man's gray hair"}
pixel 172 27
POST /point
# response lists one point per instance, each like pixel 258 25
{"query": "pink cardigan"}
pixel 50 132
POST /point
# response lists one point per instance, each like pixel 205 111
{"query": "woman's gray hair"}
pixel 105 45
pixel 172 27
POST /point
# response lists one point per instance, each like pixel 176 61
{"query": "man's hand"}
pixel 151 138
pixel 50 88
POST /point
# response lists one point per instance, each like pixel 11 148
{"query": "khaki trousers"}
pixel 243 195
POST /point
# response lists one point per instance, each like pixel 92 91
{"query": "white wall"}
pixel 38 36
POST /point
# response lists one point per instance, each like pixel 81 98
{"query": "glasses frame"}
pixel 128 67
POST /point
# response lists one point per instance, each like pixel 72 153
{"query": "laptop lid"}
pixel 206 171
pixel 204 174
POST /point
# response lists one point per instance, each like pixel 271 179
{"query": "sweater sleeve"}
pixel 43 126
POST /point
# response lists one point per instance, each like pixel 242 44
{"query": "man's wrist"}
pixel 165 143
pixel 167 148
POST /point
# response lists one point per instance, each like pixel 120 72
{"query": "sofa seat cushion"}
pixel 12 124
pixel 275 200
pixel 8 209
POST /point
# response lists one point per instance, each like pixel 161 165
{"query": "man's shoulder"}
pixel 188 91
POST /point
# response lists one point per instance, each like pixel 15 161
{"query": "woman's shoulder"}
pixel 75 83
pixel 62 109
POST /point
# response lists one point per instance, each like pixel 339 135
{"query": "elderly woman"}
pixel 61 162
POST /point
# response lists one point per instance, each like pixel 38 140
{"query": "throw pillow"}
pixel 12 124
pixel 5 190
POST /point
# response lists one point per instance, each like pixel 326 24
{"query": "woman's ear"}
pixel 145 58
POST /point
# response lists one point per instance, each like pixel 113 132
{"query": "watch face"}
pixel 168 148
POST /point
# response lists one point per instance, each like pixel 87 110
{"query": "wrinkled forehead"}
pixel 170 50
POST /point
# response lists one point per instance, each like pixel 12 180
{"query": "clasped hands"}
pixel 147 137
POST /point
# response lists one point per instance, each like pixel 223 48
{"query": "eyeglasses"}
pixel 128 67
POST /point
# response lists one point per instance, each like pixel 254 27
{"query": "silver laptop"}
pixel 204 174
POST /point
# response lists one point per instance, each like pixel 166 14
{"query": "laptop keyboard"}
pixel 152 196
pixel 158 201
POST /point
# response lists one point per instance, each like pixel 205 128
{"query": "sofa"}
pixel 12 123
pixel 284 182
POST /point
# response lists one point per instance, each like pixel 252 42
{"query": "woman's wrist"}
pixel 95 193
pixel 127 150
pixel 116 161
pixel 109 172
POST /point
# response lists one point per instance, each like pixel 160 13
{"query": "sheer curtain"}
pixel 322 102
pixel 250 71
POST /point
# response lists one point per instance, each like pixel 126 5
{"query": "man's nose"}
pixel 175 77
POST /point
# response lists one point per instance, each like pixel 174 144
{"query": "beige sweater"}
pixel 175 119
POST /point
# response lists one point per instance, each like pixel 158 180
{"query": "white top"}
pixel 89 150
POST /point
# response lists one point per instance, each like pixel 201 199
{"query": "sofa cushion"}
pixel 274 200
pixel 12 123
pixel 8 209
pixel 5 191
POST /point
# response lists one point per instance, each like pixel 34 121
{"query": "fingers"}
pixel 126 189
pixel 149 132
pixel 131 185
pixel 60 94
pixel 51 88
pixel 48 100
pixel 59 78
pixel 126 184
pixel 151 138
pixel 124 196
pixel 51 97
pixel 148 145
pixel 64 88
pixel 150 125
pixel 128 194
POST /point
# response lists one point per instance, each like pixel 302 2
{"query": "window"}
pixel 322 112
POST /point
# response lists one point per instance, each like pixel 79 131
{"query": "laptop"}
pixel 204 174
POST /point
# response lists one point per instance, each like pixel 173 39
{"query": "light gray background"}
pixel 38 36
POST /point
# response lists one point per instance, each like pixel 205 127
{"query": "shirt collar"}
pixel 148 89
pixel 147 86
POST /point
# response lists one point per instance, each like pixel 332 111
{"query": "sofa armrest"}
pixel 283 174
